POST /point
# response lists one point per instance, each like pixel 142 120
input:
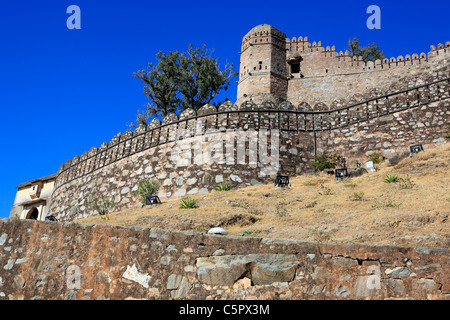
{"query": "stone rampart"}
pixel 387 124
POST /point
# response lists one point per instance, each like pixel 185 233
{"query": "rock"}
pixel 235 178
pixel 344 262
pixel 396 159
pixel 218 230
pixel 261 268
pixel 133 274
pixel 356 172
pixel 180 193
pixel 182 290
pixel 3 239
pixel 397 272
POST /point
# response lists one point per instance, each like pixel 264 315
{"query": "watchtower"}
pixel 263 74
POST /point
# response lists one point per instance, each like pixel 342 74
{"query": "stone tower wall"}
pixel 325 74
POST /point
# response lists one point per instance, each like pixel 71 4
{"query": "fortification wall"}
pixel 387 124
pixel 39 261
pixel 326 76
pixel 305 71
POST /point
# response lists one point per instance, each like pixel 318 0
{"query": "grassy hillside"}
pixel 316 208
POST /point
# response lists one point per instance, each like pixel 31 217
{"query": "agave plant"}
pixel 188 203
pixel 146 188
pixel 224 186
pixel 391 178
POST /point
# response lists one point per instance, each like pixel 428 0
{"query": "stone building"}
pixel 33 198
pixel 276 68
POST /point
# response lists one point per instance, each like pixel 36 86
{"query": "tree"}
pixel 201 77
pixel 160 86
pixel 370 53
pixel 182 80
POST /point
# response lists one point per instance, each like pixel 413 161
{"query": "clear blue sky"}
pixel 64 91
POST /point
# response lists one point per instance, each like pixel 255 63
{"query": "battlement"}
pixel 301 70
pixel 342 62
pixel 229 116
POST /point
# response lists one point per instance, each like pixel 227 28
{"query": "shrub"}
pixel 326 161
pixel 325 191
pixel 281 209
pixel 391 178
pixel 146 188
pixel 357 196
pixel 376 157
pixel 309 205
pixel 406 183
pixel 224 186
pixel 385 202
pixel 188 203
pixel 102 205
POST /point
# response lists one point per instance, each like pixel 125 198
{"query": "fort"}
pixel 317 101
pixel 320 100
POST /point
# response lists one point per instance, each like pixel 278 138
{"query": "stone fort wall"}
pixel 323 75
pixel 387 124
pixel 38 260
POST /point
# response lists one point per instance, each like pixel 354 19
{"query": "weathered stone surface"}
pixel 362 289
pixel 187 265
pixel 261 268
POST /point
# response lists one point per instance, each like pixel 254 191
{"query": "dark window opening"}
pixel 33 214
pixel 295 67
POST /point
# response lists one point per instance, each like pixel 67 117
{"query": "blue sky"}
pixel 64 91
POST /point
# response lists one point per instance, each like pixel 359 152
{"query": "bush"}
pixel 102 205
pixel 406 183
pixel 325 191
pixel 188 203
pixel 357 196
pixel 391 178
pixel 281 210
pixel 224 186
pixel 146 188
pixel 326 161
pixel 376 157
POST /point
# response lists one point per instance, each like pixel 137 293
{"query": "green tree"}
pixel 161 82
pixel 182 80
pixel 201 79
pixel 370 53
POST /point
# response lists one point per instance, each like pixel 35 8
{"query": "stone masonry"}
pixel 54 260
pixel 276 68
pixel 387 124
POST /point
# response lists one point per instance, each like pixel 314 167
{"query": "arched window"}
pixel 32 214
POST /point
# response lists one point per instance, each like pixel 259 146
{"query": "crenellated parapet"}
pixel 285 116
pixel 328 61
pixel 276 68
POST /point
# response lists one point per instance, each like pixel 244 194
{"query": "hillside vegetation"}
pixel 411 212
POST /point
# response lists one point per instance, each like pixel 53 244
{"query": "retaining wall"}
pixel 38 261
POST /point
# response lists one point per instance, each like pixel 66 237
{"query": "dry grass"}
pixel 316 208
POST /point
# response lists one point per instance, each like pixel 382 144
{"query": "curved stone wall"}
pixel 388 123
